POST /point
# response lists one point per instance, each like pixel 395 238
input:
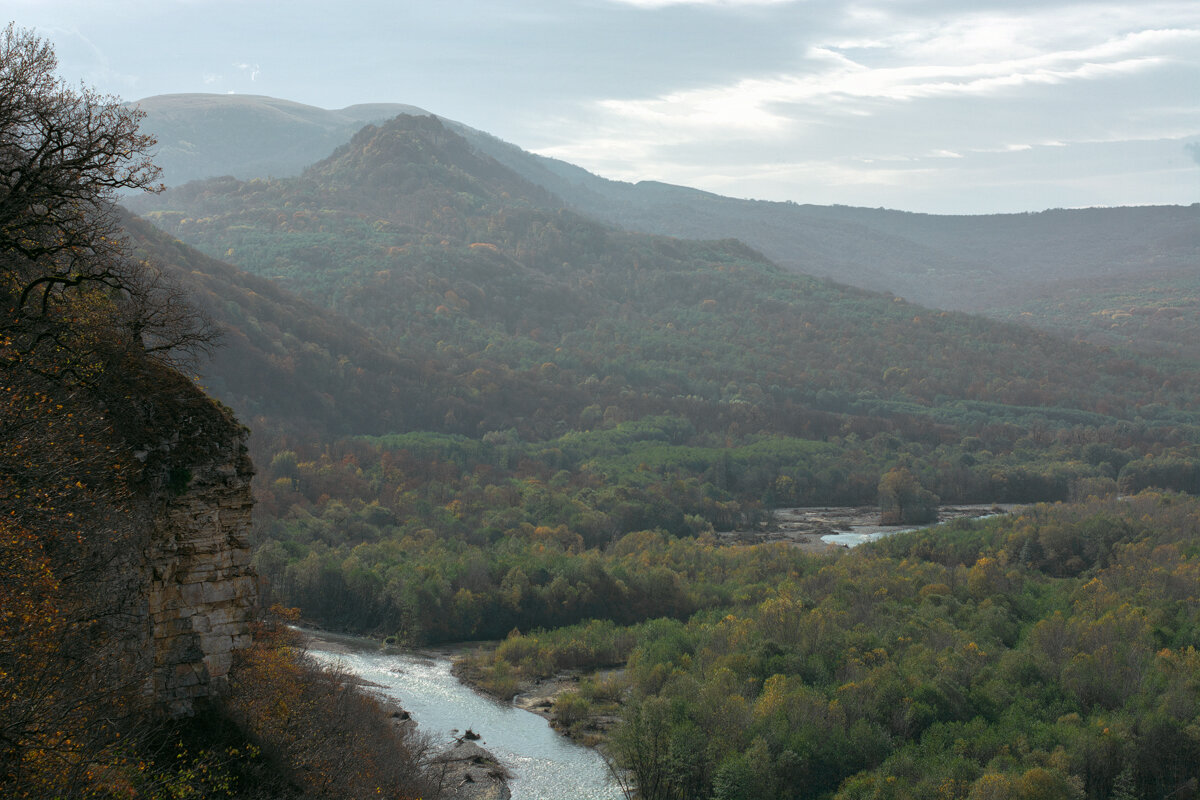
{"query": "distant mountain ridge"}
pixel 538 318
pixel 993 264
pixel 248 136
pixel 966 263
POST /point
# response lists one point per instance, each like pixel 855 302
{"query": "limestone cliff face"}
pixel 202 592
pixel 198 592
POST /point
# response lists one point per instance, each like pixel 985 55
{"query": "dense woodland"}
pixel 1154 314
pixel 1051 654
pixel 573 411
pixel 521 368
pixel 479 415
pixel 986 264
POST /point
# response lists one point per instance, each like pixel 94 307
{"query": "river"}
pixel 858 534
pixel 818 528
pixel 544 764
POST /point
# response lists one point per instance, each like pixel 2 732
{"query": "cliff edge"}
pixel 197 592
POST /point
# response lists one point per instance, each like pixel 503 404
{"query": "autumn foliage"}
pixel 330 738
pixel 88 337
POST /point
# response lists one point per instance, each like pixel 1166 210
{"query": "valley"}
pixel 542 764
pixel 1007 266
pixel 565 417
pixel 601 431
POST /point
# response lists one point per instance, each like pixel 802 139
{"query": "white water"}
pixel 544 764
pixel 858 534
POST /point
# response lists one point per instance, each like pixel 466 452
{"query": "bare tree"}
pixel 65 153
pixel 78 315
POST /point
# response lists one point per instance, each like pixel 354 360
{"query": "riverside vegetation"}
pixel 574 410
pixel 531 386
pixel 1050 654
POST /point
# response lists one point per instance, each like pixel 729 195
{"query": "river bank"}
pixel 537 696
pixel 825 529
pixel 541 763
pixel 556 698
pixel 467 770
pixel 571 707
pixel 550 698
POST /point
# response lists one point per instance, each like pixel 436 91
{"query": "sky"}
pixel 939 106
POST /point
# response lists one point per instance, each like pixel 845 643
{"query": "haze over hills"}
pixel 516 367
pixel 203 135
pixel 539 313
pixel 993 264
pixel 285 364
pixel 971 263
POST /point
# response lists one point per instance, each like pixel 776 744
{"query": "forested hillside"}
pixel 410 233
pixel 537 423
pixel 480 412
pixel 127 665
pixel 284 363
pixel 1155 314
pixel 989 264
pixel 543 378
pixel 981 263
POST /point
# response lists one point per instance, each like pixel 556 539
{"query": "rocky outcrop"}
pixel 202 590
pixel 197 591
pixel 472 773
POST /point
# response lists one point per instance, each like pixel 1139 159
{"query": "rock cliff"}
pixel 202 590
pixel 198 592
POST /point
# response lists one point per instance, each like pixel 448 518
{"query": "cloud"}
pixel 96 67
pixel 653 4
pixel 1194 149
pixel 900 96
pixel 253 69
pixel 835 79
pixel 895 62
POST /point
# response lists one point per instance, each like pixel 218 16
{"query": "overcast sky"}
pixel 947 106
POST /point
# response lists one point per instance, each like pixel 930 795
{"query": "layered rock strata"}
pixel 195 592
pixel 202 591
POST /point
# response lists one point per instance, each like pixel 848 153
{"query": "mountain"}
pixel 533 313
pixel 204 135
pixel 1155 313
pixel 999 265
pixel 285 364
pixel 590 415
pixel 981 263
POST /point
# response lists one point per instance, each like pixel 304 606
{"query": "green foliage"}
pixel 907 669
pixel 542 386
pixel 503 311
pixel 565 414
pixel 441 537
pixel 570 708
pixel 903 501
pixel 325 738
